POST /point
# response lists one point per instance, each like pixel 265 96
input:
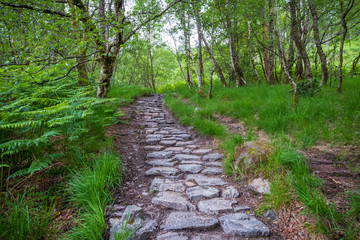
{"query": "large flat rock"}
pixel 216 205
pixel 186 157
pixel 160 154
pixel 173 200
pixel 212 171
pixel 162 171
pixel 190 168
pixel 243 225
pixel 198 193
pixel 203 180
pixel 213 157
pixel 172 236
pixel 201 151
pixel 162 162
pixel 161 185
pixel 188 220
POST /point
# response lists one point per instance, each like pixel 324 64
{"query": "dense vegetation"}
pixel 288 68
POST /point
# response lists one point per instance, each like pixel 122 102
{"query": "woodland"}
pixel 286 68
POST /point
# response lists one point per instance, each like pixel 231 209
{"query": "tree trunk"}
pixel 106 64
pixel 211 83
pixel 291 58
pixel 322 56
pixel 266 56
pixel 355 62
pixel 187 50
pixel 200 62
pixel 344 32
pixel 252 55
pixel 295 31
pixel 270 68
pixel 151 59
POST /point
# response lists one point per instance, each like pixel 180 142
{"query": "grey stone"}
pixel 212 171
pixel 160 185
pixel 186 157
pixel 173 200
pixel 190 168
pixel 114 221
pixel 162 171
pixel 186 151
pixel 188 220
pixel 213 157
pixel 181 143
pixel 270 215
pixel 168 142
pixel 183 136
pixel 216 205
pixel 162 162
pixel 190 184
pixel 205 181
pixel 201 151
pixel 154 147
pixel 243 225
pixel 250 153
pixel 152 140
pixel 215 164
pixel 192 146
pixel 230 192
pixel 174 149
pixel 242 209
pixel 260 186
pixel 160 154
pixel 208 237
pixel 198 193
pixel 192 162
pixel 172 236
pixel 162 132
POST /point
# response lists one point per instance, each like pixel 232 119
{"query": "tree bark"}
pixel 200 62
pixel 295 32
pixel 252 55
pixel 187 50
pixel 322 56
pixel 355 62
pixel 271 68
pixel 344 32
pixel 211 83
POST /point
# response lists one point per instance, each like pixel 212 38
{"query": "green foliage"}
pixel 127 93
pixel 90 192
pixel 308 89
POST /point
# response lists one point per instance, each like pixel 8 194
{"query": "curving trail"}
pixel 175 188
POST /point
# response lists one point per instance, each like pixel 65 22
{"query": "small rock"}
pixel 162 162
pixel 260 186
pixel 160 185
pixel 173 200
pixel 188 220
pixel 216 164
pixel 243 225
pixel 230 192
pixel 154 147
pixel 168 142
pixel 174 149
pixel 186 157
pixel 152 140
pixel 242 209
pixel 181 143
pixel 190 184
pixel 160 154
pixel 270 215
pixel 205 181
pixel 172 236
pixel 250 153
pixel 162 171
pixel 155 136
pixel 212 171
pixel 198 193
pixel 201 151
pixel 186 151
pixel 208 237
pixel 213 157
pixel 216 205
pixel 190 168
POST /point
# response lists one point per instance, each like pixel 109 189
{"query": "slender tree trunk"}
pixel 291 58
pixel 149 48
pixel 295 31
pixel 211 83
pixel 271 44
pixel 252 55
pixel 344 32
pixel 266 55
pixel 355 62
pixel 187 48
pixel 320 52
pixel 282 58
pixel 200 62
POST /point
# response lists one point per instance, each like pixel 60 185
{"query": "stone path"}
pixel 187 181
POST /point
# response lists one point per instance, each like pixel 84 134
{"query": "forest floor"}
pixel 174 177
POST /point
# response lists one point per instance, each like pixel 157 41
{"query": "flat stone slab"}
pixel 186 157
pixel 168 142
pixel 160 154
pixel 173 200
pixel 160 185
pixel 181 143
pixel 188 220
pixel 154 147
pixel 208 237
pixel 215 164
pixel 216 205
pixel 183 136
pixel 175 149
pixel 162 162
pixel 199 193
pixel 162 171
pixel 172 236
pixel 206 181
pixel 243 225
pixel 212 171
pixel 201 151
pixel 152 140
pixel 155 136
pixel 230 192
pixel 190 168
pixel 213 157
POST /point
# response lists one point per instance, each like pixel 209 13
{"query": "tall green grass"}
pixel 90 192
pixel 127 93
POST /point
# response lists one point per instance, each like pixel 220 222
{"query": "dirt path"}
pixel 174 187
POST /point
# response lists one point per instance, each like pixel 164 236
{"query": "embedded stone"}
pixel 181 143
pixel 270 215
pixel 188 220
pixel 243 225
pixel 249 154
pixel 260 186
pixel 172 236
pixel 174 149
pixel 198 193
pixel 183 136
pixel 213 157
pixel 173 200
pixel 216 205
pixel 162 162
pixel 160 154
pixel 190 168
pixel 212 171
pixel 201 151
pixel 168 142
pixel 190 184
pixel 160 185
pixel 207 237
pixel 186 157
pixel 154 147
pixel 205 181
pixel 230 192
pixel 215 164
pixel 242 209
pixel 152 140
pixel 162 171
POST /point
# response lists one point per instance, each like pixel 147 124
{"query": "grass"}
pixel 327 117
pixel 127 93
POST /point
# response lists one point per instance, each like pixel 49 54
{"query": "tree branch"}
pixel 29 7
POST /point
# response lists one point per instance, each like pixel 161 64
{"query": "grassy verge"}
pixel 127 93
pixel 327 117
